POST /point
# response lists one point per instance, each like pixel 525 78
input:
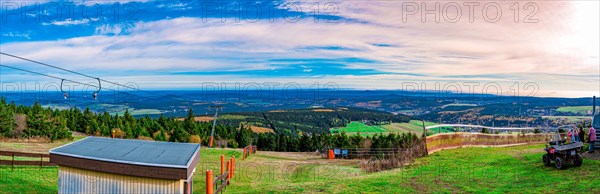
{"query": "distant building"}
pixel 105 165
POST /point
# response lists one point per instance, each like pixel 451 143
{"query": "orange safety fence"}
pixel 220 182
pixel 248 150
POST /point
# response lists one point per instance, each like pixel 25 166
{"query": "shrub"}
pixel 145 138
pixel 119 133
pixel 195 139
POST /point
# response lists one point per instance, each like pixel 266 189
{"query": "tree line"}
pixel 18 121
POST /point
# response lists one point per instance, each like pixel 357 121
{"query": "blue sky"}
pixel 356 44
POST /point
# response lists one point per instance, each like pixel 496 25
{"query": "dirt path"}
pixel 592 156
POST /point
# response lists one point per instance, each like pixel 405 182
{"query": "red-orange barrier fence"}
pixel 220 182
pixel 248 150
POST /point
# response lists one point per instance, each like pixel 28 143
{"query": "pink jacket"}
pixel 592 133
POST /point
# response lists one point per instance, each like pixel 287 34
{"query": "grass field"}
pixel 413 126
pixel 575 109
pixel 572 119
pixel 355 127
pixel 480 170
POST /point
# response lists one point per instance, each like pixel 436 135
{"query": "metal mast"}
pixel 212 133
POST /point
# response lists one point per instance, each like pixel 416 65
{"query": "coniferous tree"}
pixel 7 120
pixel 161 136
pixel 179 134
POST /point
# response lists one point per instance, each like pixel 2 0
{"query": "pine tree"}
pixel 94 127
pixel 7 121
pixel 190 123
pixel 179 134
pixel 161 136
pixel 38 123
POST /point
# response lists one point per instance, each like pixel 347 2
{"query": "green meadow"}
pixel 414 126
pixel 472 170
pixel 575 109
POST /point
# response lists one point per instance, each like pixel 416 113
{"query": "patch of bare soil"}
pixel 199 119
pixel 591 156
pixel 257 129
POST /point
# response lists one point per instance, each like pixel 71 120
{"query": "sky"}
pixel 537 48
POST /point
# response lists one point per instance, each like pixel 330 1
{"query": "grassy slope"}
pixel 498 170
pixel 569 118
pixel 414 126
pixel 355 127
pixel 575 109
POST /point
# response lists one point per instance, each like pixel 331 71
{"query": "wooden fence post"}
pixel 209 182
pixel 228 171
pixel 222 165
pixel 244 154
pixel 250 150
pixel 232 166
pixel 12 163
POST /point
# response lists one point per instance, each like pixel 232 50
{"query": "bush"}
pixel 195 139
pixel 145 138
pixel 399 158
pixel 160 136
pixel 233 144
pixel 485 130
pixel 119 133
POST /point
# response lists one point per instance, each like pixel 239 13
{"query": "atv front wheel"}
pixel 559 163
pixel 546 160
pixel 578 160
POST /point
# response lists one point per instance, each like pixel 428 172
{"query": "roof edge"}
pixel 121 161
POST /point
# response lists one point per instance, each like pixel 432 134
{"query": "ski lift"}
pixel 95 94
pixel 65 94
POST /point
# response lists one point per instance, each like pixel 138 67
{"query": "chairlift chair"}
pixel 65 94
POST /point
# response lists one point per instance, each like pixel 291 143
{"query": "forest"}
pixel 18 121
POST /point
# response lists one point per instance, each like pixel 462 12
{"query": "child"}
pixel 581 134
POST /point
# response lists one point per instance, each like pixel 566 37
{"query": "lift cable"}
pixel 82 74
pixel 69 80
pixel 71 71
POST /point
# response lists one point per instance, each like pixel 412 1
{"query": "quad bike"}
pixel 562 153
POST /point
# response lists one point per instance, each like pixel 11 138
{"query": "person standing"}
pixel 581 134
pixel 592 134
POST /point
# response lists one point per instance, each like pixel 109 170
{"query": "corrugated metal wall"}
pixel 74 180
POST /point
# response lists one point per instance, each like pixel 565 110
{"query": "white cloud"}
pixel 17 35
pixel 69 22
pixel 512 51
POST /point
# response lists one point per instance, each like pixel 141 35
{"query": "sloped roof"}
pixel 132 152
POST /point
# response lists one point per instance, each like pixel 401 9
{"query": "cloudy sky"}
pixel 546 48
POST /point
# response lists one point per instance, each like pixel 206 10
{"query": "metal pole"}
pixel 212 133
pixel 594 107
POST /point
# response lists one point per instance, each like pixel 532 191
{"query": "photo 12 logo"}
pixel 453 12
pixel 46 12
